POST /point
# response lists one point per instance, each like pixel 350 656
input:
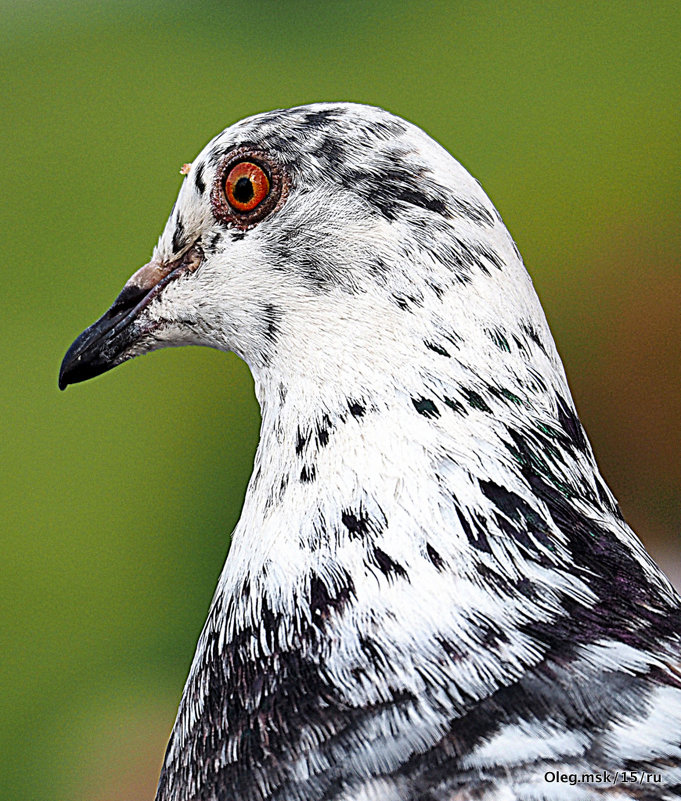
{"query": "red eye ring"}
pixel 263 189
pixel 246 186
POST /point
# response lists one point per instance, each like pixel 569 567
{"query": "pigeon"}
pixel 431 593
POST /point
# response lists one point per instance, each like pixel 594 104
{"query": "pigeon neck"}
pixel 420 474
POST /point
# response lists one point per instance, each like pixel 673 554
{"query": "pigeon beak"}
pixel 105 343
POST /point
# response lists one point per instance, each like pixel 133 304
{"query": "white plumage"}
pixel 431 593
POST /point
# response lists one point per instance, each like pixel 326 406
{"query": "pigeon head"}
pixel 325 240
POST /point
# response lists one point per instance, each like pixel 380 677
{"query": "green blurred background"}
pixel 118 495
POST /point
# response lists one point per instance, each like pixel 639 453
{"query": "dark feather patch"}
pixel 436 348
pixel 477 538
pixel 497 336
pixel 435 557
pixel 271 315
pixel 401 302
pixel 308 474
pixel 455 405
pixel 323 602
pixel 212 244
pixel 356 408
pixel 388 566
pixel 524 518
pixel 179 241
pixel 320 118
pixel 357 523
pixel 531 332
pixel 475 400
pixel 301 441
pixel 570 424
pixel 266 697
pixel 426 407
pixel 630 609
pixel 323 427
pixel 198 179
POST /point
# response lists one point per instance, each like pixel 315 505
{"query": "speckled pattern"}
pixel 431 593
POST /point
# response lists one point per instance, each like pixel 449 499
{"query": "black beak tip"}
pixel 74 374
pixel 85 359
pixel 75 369
pixel 68 372
pixel 103 345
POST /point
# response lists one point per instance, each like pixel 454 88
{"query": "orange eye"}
pixel 246 186
pixel 249 185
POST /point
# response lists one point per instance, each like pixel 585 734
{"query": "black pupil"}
pixel 243 190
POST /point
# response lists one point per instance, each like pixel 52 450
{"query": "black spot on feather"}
pixel 211 245
pixel 271 315
pixel 531 332
pixel 497 336
pixel 320 118
pixel 378 268
pixel 532 461
pixel 374 653
pixel 388 566
pixel 491 635
pixel 395 188
pixel 514 508
pixel 477 538
pixel 426 407
pixel 475 400
pixel 504 394
pixel 435 557
pixel 436 348
pixel 454 652
pixel 357 523
pixel 471 210
pixel 455 405
pixel 332 152
pixel 480 531
pixel 178 236
pixel 360 524
pixel 571 425
pixel 520 345
pixel 356 408
pixel 322 428
pixel 325 600
pixel 301 441
pixel 198 179
pixel 308 474
pixel 461 256
pixel 401 302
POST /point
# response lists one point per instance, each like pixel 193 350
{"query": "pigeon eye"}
pixel 249 185
pixel 246 186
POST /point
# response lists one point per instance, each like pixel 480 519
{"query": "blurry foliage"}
pixel 119 495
